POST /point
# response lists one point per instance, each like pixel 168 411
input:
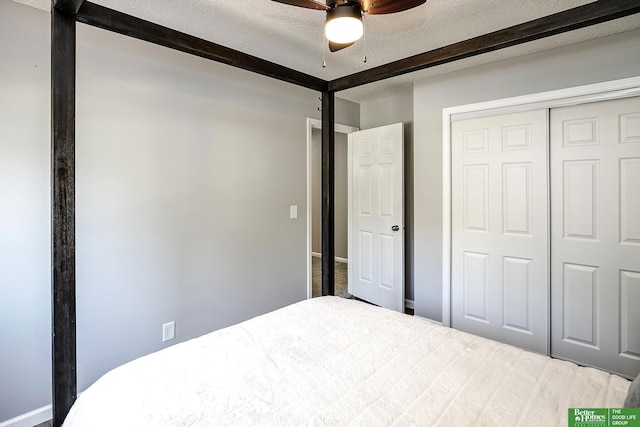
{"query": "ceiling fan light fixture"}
pixel 344 24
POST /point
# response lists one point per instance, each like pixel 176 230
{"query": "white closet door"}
pixel 595 217
pixel 500 274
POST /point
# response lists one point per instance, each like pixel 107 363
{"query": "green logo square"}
pixel 604 417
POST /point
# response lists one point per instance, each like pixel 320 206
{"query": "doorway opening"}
pixel 314 208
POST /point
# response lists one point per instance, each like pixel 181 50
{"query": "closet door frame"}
pixel 604 91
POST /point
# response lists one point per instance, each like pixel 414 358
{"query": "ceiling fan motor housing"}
pixel 344 9
pixel 335 3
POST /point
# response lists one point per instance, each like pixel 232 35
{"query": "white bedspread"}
pixel 331 361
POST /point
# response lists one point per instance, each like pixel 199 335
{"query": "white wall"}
pixel 398 108
pixel 607 58
pixel 185 173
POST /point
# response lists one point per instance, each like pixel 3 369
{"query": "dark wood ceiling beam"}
pixel 572 19
pixel 118 22
pixel 69 6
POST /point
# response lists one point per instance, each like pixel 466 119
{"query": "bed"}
pixel 331 361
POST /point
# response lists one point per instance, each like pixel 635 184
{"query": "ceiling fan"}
pixel 343 26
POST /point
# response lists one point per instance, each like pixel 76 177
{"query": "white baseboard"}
pixel 30 419
pixel 408 303
pixel 337 259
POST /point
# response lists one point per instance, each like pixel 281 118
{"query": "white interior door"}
pixel 376 216
pixel 500 274
pixel 595 215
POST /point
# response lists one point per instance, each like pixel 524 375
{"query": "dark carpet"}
pixel 341 280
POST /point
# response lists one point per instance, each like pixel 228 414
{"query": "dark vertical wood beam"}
pixel 71 6
pixel 63 287
pixel 328 193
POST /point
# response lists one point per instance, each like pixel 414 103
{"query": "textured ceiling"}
pixel 293 37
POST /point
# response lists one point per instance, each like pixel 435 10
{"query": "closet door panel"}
pixel 630 201
pixel 500 228
pixel 629 314
pixel 595 234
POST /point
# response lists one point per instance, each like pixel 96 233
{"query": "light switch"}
pixel 294 211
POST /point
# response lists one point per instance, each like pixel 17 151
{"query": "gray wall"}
pixel 603 59
pixel 347 112
pixel 398 108
pixel 185 173
pixel 25 295
pixel 341 233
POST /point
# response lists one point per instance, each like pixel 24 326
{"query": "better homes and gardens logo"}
pixel 602 417
pixel 589 417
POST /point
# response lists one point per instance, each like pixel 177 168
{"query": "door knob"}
pixel 395 228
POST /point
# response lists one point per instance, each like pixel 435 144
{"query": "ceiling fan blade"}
pixel 308 4
pixel 334 47
pixel 380 7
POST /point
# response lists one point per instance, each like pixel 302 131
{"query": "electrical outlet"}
pixel 168 331
pixel 293 211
